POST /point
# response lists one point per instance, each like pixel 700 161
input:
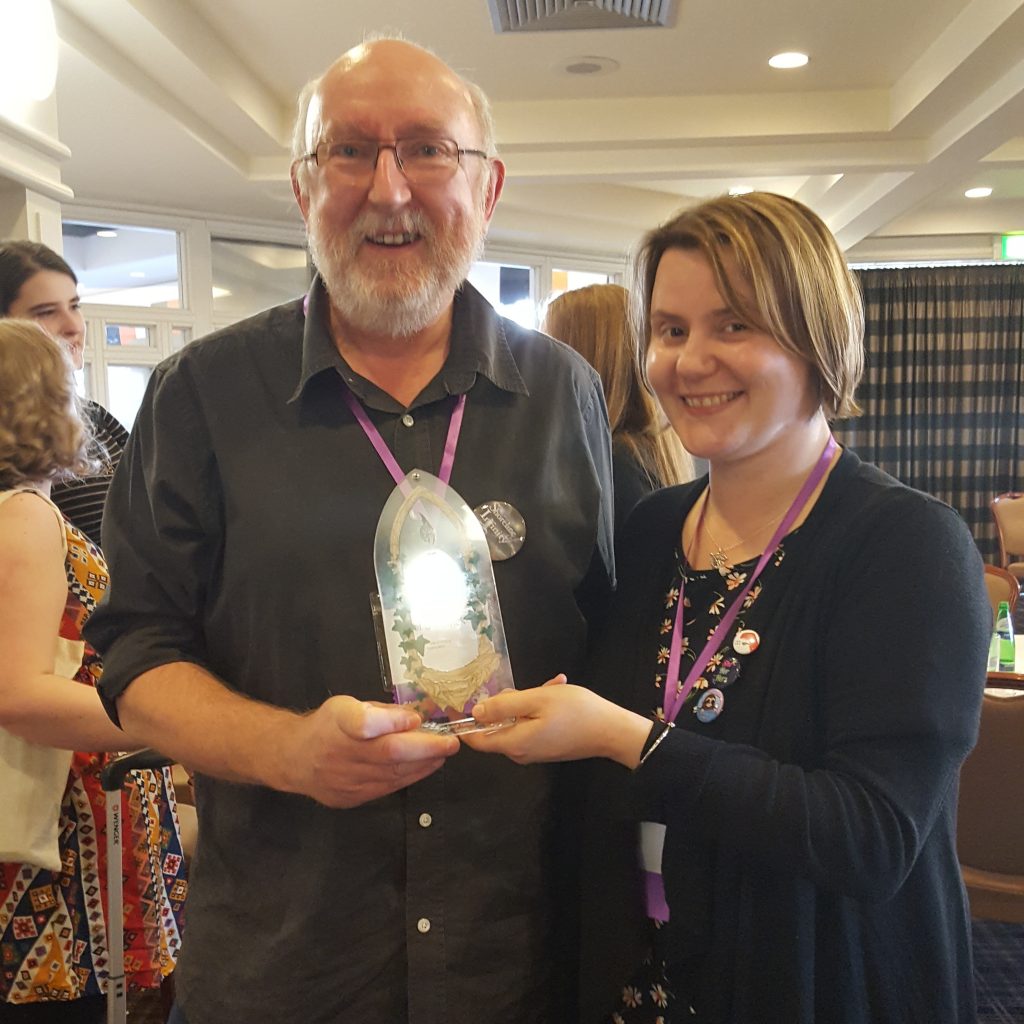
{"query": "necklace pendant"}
pixel 720 562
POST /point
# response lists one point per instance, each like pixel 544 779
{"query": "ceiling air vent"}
pixel 562 15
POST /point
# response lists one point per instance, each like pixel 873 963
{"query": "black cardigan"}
pixel 810 861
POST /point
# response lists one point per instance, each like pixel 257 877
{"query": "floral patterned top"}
pixel 707 596
pixel 53 928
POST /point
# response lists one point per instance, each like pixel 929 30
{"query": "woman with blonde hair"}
pixel 790 678
pixel 646 454
pixel 51 578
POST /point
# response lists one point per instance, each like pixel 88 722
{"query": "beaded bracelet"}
pixel 669 726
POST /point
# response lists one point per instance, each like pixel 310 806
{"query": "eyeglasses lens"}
pixel 422 161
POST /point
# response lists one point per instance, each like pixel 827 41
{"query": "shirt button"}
pixel 407 420
pixel 426 820
pixel 423 925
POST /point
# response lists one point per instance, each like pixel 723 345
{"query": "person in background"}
pixel 791 677
pixel 349 866
pixel 37 284
pixel 50 581
pixel 646 453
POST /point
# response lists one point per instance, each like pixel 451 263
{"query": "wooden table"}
pixel 1004 684
pixel 1014 679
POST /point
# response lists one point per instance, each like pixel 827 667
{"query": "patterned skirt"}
pixel 53 925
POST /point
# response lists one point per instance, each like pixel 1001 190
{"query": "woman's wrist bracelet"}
pixel 669 726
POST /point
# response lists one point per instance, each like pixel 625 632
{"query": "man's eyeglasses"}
pixel 422 161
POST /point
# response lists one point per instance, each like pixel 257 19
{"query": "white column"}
pixel 31 153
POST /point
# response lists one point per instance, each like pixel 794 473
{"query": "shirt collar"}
pixel 478 346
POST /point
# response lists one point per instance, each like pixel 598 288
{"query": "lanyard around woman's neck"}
pixel 675 695
pixel 451 443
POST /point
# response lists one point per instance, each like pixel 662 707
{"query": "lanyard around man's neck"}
pixel 444 474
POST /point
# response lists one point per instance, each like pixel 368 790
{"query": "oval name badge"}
pixel 504 528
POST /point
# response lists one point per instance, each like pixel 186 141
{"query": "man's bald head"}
pixel 385 55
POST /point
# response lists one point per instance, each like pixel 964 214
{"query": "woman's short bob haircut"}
pixel 780 270
pixel 42 433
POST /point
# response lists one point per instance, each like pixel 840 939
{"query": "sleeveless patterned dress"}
pixel 53 931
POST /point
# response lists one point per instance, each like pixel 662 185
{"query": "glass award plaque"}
pixel 439 631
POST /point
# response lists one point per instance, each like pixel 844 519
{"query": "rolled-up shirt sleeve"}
pixel 161 535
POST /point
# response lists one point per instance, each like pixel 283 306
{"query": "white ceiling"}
pixel 186 105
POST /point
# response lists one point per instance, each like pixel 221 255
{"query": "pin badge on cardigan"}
pixel 710 705
pixel 712 702
pixel 746 641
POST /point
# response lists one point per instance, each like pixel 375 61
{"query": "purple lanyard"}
pixel 447 460
pixel 444 474
pixel 673 700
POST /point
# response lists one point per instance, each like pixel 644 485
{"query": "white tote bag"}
pixel 33 779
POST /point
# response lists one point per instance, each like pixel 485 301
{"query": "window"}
pixel 125 388
pixel 567 280
pixel 180 337
pixel 507 287
pixel 249 277
pixel 129 335
pixel 119 265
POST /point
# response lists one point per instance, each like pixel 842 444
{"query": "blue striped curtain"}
pixel 943 389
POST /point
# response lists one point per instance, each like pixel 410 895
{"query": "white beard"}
pixel 395 300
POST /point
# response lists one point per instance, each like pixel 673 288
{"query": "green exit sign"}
pixel 1013 246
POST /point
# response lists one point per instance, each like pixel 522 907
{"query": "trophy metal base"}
pixel 463 726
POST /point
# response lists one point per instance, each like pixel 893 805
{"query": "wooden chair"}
pixel 990 826
pixel 1008 512
pixel 1002 586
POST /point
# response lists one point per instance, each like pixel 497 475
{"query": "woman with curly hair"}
pixel 53 931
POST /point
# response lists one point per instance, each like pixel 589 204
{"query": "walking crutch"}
pixel 112 778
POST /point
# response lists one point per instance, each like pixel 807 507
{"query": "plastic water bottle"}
pixel 1004 631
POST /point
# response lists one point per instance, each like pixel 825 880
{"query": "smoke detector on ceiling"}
pixel 589 66
pixel 564 15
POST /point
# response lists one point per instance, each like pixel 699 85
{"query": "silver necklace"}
pixel 719 555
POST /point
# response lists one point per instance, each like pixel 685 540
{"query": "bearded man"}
pixel 353 866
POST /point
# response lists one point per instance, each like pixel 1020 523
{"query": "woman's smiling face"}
pixel 51 299
pixel 729 390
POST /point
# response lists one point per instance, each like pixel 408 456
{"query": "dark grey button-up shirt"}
pixel 239 532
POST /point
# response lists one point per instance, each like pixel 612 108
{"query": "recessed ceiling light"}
pixel 740 190
pixel 106 233
pixel 790 59
pixel 589 66
pixel 982 192
pixel 136 273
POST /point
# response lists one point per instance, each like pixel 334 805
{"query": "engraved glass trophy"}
pixel 439 631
